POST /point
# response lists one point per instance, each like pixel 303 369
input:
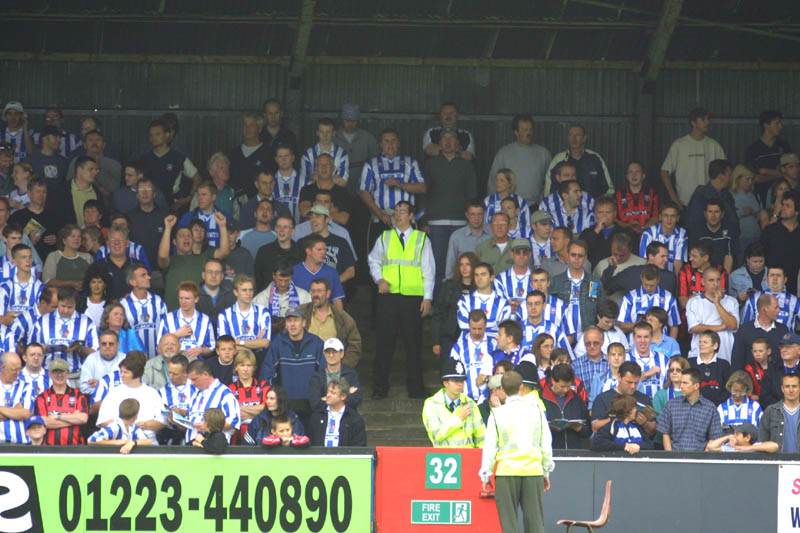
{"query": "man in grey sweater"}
pixel 528 161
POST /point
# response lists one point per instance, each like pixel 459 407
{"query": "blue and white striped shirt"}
pixel 493 204
pixel 788 304
pixel 19 297
pixel 19 392
pixel 135 253
pixel 650 386
pixel 54 330
pixel 69 142
pixel 512 286
pixel 493 305
pixel 540 251
pixel 581 219
pixel 472 355
pixel 245 326
pixel 22 327
pixel 341 162
pixel 144 316
pixel 531 331
pixel 212 227
pixel 38 384
pixel 379 169
pixel 677 243
pixel 202 330
pixel 636 303
pixel 117 430
pixel 16 138
pixel 287 191
pixel 178 396
pixel 553 312
pixel 104 386
pixel 216 396
pixel 8 269
pixel 731 414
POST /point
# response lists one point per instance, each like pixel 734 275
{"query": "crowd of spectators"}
pixel 155 300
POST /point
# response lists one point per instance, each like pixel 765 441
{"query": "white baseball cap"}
pixel 13 105
pixel 333 344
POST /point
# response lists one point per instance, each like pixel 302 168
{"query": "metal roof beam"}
pixel 303 35
pixel 670 12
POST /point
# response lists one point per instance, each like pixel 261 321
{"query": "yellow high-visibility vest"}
pixel 402 267
pixel 519 438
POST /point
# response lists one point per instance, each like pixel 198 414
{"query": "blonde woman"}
pixel 505 183
pixel 748 209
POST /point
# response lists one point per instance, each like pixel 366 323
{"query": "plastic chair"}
pixel 601 520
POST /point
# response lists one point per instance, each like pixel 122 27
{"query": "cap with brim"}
pixel 529 373
pixel 520 244
pixel 790 159
pixel 496 381
pixel 747 428
pixel 59 365
pixel 320 210
pixel 13 105
pixel 333 344
pixel 51 130
pixel 351 112
pixel 789 338
pixel 35 419
pixel 295 311
pixel 452 369
pixel 541 216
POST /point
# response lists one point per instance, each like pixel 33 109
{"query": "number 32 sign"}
pixel 443 471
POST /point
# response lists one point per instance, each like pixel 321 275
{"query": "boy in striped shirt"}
pixel 484 298
pixel 21 292
pixel 122 431
pixel 192 327
pixel 341 161
pixel 635 304
pixel 667 232
pixel 472 349
pixel 248 323
pixel 654 365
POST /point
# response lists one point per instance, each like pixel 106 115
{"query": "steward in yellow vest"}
pixel 518 440
pixel 452 419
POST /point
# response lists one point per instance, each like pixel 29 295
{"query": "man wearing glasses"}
pixel 401 264
pixel 147 218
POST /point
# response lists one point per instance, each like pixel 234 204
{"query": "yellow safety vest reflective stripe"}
pixel 402 267
pixel 519 435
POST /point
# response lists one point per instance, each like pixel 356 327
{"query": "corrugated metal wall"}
pixel 208 97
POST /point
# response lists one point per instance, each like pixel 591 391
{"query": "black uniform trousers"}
pixel 395 314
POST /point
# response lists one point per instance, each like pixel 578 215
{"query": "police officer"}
pixel 451 418
pixel 518 440
pixel 401 264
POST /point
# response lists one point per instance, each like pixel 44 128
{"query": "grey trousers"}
pixel 525 491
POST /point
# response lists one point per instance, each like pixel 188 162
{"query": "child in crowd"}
pixel 213 441
pixel 221 362
pixel 761 352
pixel 744 439
pixel 609 380
pixel 543 349
pixel 622 433
pixel 659 342
pixel 249 391
pixel 35 430
pixel 560 356
pixel 22 175
pixel 122 431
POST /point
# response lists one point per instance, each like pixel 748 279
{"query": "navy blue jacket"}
pixel 292 369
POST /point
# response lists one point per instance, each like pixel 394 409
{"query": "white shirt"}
pixel 700 310
pixel 688 159
pixel 375 261
pixel 332 427
pixel 149 405
pixel 95 367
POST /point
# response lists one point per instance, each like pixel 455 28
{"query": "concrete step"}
pixel 397 436
pixel 390 419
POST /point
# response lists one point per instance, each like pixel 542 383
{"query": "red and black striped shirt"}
pixel 756 372
pixel 637 207
pixel 255 394
pixel 51 403
pixel 690 281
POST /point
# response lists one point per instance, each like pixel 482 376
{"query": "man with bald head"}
pixel 594 361
pixel 155 371
pixel 765 325
pixel 16 405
